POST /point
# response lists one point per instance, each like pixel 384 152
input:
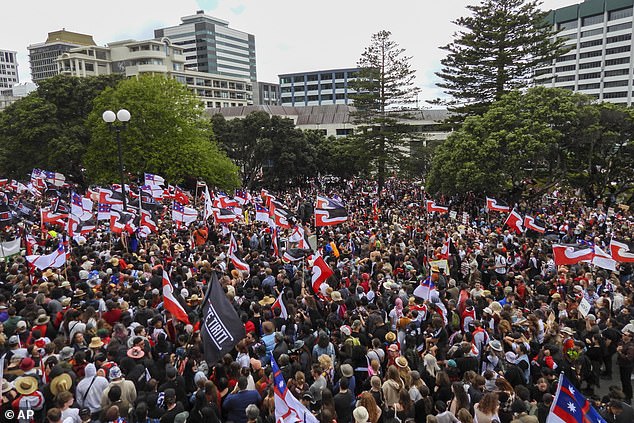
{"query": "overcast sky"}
pixel 290 35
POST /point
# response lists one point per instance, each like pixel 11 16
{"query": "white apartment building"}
pixel 156 56
pixel 600 61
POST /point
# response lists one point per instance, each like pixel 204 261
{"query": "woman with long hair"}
pixel 366 399
pixel 430 368
pixel 328 412
pixel 506 394
pixel 405 406
pixel 460 398
pixel 392 387
pixel 487 409
pixel 442 391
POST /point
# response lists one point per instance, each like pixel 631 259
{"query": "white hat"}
pixel 360 415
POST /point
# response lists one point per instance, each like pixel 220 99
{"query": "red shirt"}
pixel 112 316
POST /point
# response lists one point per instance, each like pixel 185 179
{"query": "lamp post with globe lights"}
pixel 122 116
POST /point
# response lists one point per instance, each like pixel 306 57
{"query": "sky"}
pixel 290 35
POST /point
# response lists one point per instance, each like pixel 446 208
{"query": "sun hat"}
pixel 267 300
pixel 95 342
pixel 336 296
pixel 135 352
pixel 360 414
pixel 66 353
pixel 6 386
pixel 25 385
pixel 61 383
pixel 347 370
pixel 510 356
pixel 496 345
pixel 390 337
pixel 401 362
pixel 567 331
pixel 42 320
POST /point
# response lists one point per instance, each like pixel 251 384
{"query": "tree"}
pixel 166 135
pixel 47 128
pixel 501 43
pixel 520 136
pixel 385 84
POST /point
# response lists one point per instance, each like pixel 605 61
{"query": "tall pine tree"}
pixel 384 87
pixel 495 52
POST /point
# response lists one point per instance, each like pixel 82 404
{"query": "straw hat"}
pixel 568 331
pixel 336 296
pixel 42 320
pixel 6 386
pixel 95 342
pixel 360 415
pixel 48 273
pixel 193 299
pixel 61 383
pixel 347 370
pixel 390 337
pixel 401 362
pixel 267 300
pixel 25 385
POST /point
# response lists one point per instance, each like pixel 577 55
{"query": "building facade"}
pixel 8 69
pixel 599 63
pixel 9 96
pixel 209 45
pixel 267 93
pixel 43 56
pixel 317 88
pixel 159 57
pixel 336 119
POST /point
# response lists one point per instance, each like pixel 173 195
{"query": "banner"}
pixel 10 248
pixel 221 327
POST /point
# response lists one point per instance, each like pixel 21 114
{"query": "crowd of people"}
pixel 92 341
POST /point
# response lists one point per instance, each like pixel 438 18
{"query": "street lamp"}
pixel 124 117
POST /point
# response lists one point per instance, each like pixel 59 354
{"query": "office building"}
pixel 156 56
pixel 43 56
pixel 267 94
pixel 8 69
pixel 599 63
pixel 211 46
pixel 317 88
pixel 9 96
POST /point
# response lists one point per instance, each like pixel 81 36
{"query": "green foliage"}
pixel 385 85
pixel 495 52
pixel 47 128
pixel 166 135
pixel 269 150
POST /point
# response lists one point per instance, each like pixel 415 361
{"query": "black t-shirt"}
pixel 344 404
pixel 169 415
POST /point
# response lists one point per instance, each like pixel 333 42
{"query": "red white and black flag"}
pixel 495 205
pixel 433 207
pixel 622 251
pixel 514 221
pixel 330 217
pixel 221 328
pixel 566 254
pixel 530 223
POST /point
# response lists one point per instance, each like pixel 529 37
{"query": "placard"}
pixel 584 307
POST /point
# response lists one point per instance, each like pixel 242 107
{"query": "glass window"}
pixel 618 38
pixel 313 97
pixel 298 78
pixel 622 83
pixel 541 72
pixel 589 65
pixel 592 32
pixel 594 86
pixel 313 77
pixel 616 50
pixel 591 43
pixel 595 53
pixel 619 61
pixel 286 80
pixel 617 72
pixel 567 78
pixel 326 86
pixel 566 58
pixel 311 87
pixel 590 75
pixel 299 99
pixel 619 14
pixel 591 20
pixel 615 95
pixel 340 96
pixel 326 97
pixel 619 27
pixel 325 76
pixel 339 75
pixel 565 68
pixel 344 131
pixel 562 26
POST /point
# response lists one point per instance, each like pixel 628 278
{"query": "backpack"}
pixel 455 321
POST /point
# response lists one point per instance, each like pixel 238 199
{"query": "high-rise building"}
pixel 43 56
pixel 599 63
pixel 317 88
pixel 8 69
pixel 211 46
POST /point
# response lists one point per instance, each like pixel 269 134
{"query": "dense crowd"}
pixel 92 341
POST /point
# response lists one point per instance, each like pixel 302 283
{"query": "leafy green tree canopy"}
pixel 166 135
